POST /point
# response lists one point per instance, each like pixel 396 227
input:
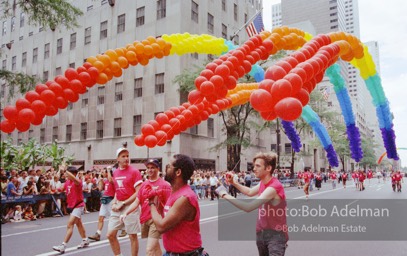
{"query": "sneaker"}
pixel 85 243
pixel 95 237
pixel 59 248
pixel 123 233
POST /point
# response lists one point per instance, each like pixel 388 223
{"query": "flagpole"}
pixel 254 16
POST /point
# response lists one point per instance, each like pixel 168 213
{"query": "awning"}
pixel 139 166
pixel 100 166
pixel 41 167
pixel 79 167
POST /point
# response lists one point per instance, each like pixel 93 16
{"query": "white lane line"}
pixel 322 192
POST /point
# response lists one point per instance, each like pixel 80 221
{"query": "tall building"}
pixel 107 117
pixel 276 15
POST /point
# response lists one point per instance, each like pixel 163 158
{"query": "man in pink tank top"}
pixel 152 186
pixel 180 225
pixel 271 229
pixel 127 181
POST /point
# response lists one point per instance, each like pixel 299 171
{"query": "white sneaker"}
pixel 85 243
pixel 59 248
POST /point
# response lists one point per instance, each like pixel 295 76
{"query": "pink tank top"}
pixel 273 216
pixel 74 194
pixel 186 235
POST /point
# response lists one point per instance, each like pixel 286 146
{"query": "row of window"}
pixel 117 130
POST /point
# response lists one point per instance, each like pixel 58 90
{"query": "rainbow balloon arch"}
pixel 282 91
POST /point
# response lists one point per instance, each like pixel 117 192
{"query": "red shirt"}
pixel 74 194
pixel 318 177
pixel 186 235
pixel 109 188
pixel 306 177
pixel 125 182
pixel 333 176
pixel 398 177
pixel 344 176
pixel 362 177
pixel 369 175
pixel 165 192
pixel 278 221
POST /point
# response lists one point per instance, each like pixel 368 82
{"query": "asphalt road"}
pixel 38 237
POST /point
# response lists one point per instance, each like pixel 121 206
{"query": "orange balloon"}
pixel 151 39
pixel 115 66
pixel 131 56
pixel 119 52
pixel 156 47
pixel 123 62
pixel 161 43
pixel 118 73
pixel 139 48
pixel 112 54
pixel 91 59
pixel 148 50
pixel 144 61
pixel 102 78
pixel 105 59
pixel 99 65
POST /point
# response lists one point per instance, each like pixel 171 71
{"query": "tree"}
pixel 56 154
pixel 43 13
pixel 369 157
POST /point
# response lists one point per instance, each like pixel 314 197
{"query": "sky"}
pixel 386 23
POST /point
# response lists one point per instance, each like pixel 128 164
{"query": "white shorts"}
pixel 77 212
pixel 131 222
pixel 105 210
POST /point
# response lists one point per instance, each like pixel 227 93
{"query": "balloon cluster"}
pixel 47 98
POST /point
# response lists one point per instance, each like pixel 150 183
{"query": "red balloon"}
pixel 57 89
pixel 10 113
pixel 26 115
pixel 150 141
pixel 194 109
pixel 295 81
pixel 38 119
pixel 268 44
pixel 81 69
pixel 7 126
pixel 71 74
pixel 22 127
pixel 288 109
pixel 255 55
pixel 162 119
pixel 302 96
pixel 207 88
pixel 315 65
pixel 275 73
pixel 215 109
pixel 39 88
pixel 207 73
pixel 70 95
pixel 139 140
pixel 234 60
pixel 39 107
pixel 22 103
pixel 222 70
pixel 211 66
pixel 147 129
pixel 175 110
pixel 154 124
pixel 168 130
pixel 266 84
pixel 229 65
pixel 307 52
pixel 293 61
pixel 161 138
pixel 51 111
pixel 170 114
pixel 239 55
pixel 285 65
pixel 77 86
pixel 87 65
pixel 250 59
pixel 199 80
pixel 281 89
pixel 175 124
pixel 61 102
pixel 94 73
pixel 62 81
pixel 221 92
pixel 301 72
pixel 247 66
pixel 48 97
pixel 319 77
pixel 299 56
pixel 260 100
pixel 187 114
pixel 217 81
pixel 231 83
pixel 32 95
pixel 85 78
pixel 204 115
pixel 268 116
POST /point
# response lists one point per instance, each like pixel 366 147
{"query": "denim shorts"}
pixel 271 243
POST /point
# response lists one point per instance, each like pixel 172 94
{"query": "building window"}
pixel 68 135
pixel 4 30
pixel 54 133
pixel 70 106
pixel 101 95
pixel 85 99
pixel 72 65
pixel 45 76
pixel 58 71
pixel 46 51
pixel 235 11
pixel 138 87
pixel 13 63
pixel 99 129
pixel 236 40
pixel 2 92
pixel 103 29
pixel 224 31
pixel 103 2
pixel 13 23
pixel 35 55
pixel 161 9
pixel 30 133
pixel 42 135
pixel 224 5
pixel 84 131
pixel 194 130
pixel 140 16
pixel 24 59
pixel 211 128
pixel 4 64
pixel 90 7
pixel 159 83
pixel 287 148
pixel 245 18
pixel 194 11
pixel 117 129
pixel 121 23
pixel 59 46
pixel 118 92
pixel 273 147
pixel 88 32
pixel 72 44
pixel 194 55
pixel 210 23
pixel 22 19
pixel 136 124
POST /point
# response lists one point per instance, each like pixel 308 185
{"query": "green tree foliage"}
pixel 369 157
pixel 20 81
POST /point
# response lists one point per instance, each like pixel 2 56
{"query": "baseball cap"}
pixel 119 150
pixel 72 169
pixel 153 161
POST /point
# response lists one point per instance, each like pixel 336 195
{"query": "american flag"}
pixel 256 26
pixel 326 93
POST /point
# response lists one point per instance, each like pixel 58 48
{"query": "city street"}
pixel 38 237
